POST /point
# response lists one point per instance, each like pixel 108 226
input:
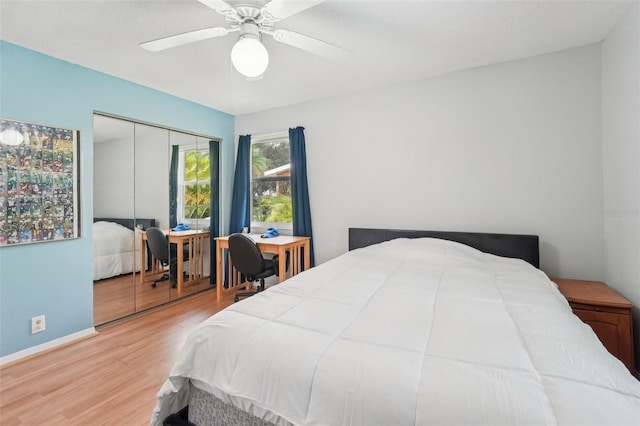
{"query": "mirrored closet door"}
pixel 153 200
pixel 192 173
pixel 113 198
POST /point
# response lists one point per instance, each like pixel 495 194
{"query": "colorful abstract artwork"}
pixel 38 183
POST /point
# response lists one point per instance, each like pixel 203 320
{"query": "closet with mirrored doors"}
pixel 156 211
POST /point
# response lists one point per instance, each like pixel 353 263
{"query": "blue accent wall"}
pixel 55 278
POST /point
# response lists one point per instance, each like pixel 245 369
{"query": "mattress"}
pixel 406 332
pixel 115 250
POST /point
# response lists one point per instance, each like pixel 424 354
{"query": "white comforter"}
pixel 115 250
pixel 407 332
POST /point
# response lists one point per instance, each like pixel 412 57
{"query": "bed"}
pixel 116 246
pixel 407 328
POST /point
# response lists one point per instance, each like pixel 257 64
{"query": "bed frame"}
pixel 129 223
pixel 525 247
pixel 142 224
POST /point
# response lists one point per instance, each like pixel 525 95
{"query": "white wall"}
pixel 621 160
pixel 130 176
pixel 512 148
pixel 152 174
pixel 113 166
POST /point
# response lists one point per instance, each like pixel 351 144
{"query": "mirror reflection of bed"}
pixel 116 269
pixel 131 193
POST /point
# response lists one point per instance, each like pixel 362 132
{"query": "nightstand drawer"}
pixel 613 330
pixel 597 308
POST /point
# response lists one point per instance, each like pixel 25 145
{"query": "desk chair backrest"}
pixel 158 244
pixel 246 256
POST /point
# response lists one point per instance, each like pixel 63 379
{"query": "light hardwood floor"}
pixel 111 378
pixel 124 295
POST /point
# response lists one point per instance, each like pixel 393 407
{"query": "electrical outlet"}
pixel 37 324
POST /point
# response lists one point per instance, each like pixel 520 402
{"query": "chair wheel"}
pixel 153 285
pixel 236 298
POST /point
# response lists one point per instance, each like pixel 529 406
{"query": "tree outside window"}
pixel 196 185
pixel 271 181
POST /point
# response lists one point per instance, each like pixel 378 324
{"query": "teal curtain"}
pixel 240 197
pixel 300 188
pixel 214 208
pixel 173 186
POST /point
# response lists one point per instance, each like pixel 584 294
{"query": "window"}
pixel 271 182
pixel 194 180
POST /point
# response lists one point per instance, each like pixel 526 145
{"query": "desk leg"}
pixel 218 271
pixel 296 260
pixel 143 263
pixel 200 246
pixel 282 267
pixel 307 255
pixel 193 258
pixel 294 255
pixel 180 269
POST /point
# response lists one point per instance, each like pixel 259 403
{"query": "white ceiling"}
pixel 391 41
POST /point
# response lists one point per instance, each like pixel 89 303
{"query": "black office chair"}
pixel 165 253
pixel 247 259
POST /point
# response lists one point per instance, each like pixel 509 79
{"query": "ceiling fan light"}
pixel 11 137
pixel 249 56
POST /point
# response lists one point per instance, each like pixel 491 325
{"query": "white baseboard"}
pixel 46 346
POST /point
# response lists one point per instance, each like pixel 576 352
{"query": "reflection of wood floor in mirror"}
pixel 117 297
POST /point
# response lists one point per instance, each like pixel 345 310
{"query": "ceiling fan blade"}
pixel 218 5
pixel 311 44
pixel 281 9
pixel 184 38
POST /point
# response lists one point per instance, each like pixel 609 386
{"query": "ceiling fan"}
pixel 252 19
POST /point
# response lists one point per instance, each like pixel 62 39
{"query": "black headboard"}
pixel 523 247
pixel 129 223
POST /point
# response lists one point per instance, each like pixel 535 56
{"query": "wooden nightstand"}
pixel 606 311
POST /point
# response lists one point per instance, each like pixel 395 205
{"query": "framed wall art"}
pixel 39 183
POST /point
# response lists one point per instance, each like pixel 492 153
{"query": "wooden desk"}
pixel 279 245
pixel 195 239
